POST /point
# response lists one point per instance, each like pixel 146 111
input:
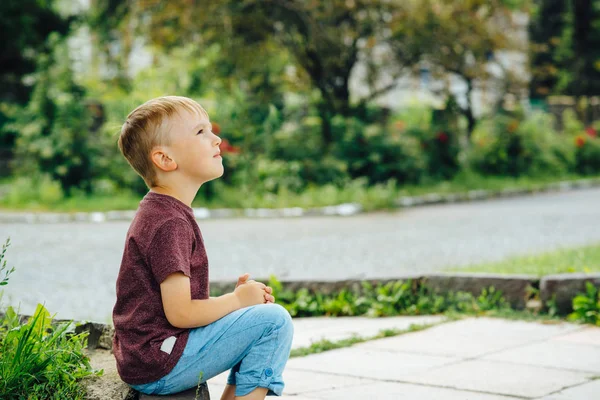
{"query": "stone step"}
pixel 200 393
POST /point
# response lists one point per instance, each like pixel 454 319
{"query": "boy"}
pixel 169 334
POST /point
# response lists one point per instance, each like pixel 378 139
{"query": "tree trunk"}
pixel 326 132
pixel 468 112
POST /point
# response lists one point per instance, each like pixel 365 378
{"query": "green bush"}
pixel 371 151
pixel 438 134
pixel 506 145
pixel 390 299
pixel 586 306
pixel 587 154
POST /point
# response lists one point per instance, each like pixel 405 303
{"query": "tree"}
pixel 578 51
pixel 24 27
pixel 324 40
pixel 457 37
pixel 54 128
pixel 545 30
pixel 112 35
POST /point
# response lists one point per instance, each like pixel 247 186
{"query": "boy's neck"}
pixel 185 196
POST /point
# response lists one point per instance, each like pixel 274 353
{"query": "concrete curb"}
pixel 346 209
pixel 516 289
pixel 561 289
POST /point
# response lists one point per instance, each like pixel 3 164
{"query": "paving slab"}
pixel 554 354
pixel 472 359
pixel 472 337
pixel 500 378
pixel 216 390
pixel 368 363
pixel 586 391
pixel 393 391
pixel 589 335
pixel 310 330
pixel 304 382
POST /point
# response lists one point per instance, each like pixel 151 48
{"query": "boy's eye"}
pixel 200 131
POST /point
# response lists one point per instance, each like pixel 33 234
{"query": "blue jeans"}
pixel 254 342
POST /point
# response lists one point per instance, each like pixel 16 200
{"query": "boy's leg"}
pixel 263 363
pixel 228 393
pixel 253 342
pixel 257 394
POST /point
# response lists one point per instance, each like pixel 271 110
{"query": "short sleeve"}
pixel 171 249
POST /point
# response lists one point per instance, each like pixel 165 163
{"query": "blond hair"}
pixel 147 127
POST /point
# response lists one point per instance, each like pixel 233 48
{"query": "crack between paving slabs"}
pixel 569 387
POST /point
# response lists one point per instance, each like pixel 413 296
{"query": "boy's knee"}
pixel 278 315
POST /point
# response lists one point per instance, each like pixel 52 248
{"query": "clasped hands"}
pixel 251 292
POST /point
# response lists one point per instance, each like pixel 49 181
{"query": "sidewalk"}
pixel 471 359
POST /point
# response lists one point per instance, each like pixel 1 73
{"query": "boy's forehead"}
pixel 187 119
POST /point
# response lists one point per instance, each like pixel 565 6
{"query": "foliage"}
pixel 322 40
pixel 509 145
pixel 460 38
pixel 565 42
pixel 588 154
pixel 586 141
pixel 27 23
pixel 390 299
pixel 3 269
pixel 35 190
pixel 577 50
pixel 586 306
pixel 373 152
pixel 438 135
pixel 25 26
pixel 39 360
pixel 54 128
pixel 545 27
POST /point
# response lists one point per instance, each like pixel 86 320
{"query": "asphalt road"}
pixel 72 267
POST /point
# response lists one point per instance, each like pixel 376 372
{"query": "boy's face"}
pixel 194 147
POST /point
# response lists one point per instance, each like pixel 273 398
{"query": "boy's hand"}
pixel 250 294
pixel 243 279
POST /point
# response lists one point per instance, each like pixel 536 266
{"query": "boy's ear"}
pixel 162 160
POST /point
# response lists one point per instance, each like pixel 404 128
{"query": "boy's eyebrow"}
pixel 200 124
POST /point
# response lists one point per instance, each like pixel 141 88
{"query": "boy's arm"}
pixel 183 312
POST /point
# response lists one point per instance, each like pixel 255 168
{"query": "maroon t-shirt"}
pixel 163 238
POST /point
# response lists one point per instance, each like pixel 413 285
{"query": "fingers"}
pixel 269 298
pixel 242 279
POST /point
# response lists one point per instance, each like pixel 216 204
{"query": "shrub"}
pixel 587 154
pixel 586 306
pixel 507 145
pixel 36 189
pixel 371 151
pixel 438 134
pixel 390 299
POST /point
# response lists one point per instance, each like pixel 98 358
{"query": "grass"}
pixel 567 260
pixel 326 345
pixel 372 198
